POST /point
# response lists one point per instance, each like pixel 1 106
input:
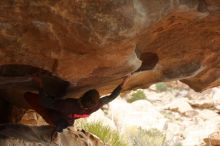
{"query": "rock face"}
pixel 41 136
pixel 191 37
pixel 94 44
pixel 91 44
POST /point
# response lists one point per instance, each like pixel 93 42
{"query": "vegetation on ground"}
pixel 137 95
pixel 143 137
pixel 105 133
pixel 161 86
pixel 178 144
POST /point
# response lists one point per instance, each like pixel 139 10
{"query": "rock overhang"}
pixel 94 44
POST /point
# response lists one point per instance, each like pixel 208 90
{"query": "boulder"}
pixel 96 44
pixel 93 44
pixel 213 139
pixel 216 96
pixel 99 116
pixel 20 135
pixel 140 113
pixel 179 105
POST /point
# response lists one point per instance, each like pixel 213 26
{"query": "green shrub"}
pixel 161 87
pixel 168 115
pixel 138 95
pixel 142 137
pixel 177 144
pixel 105 133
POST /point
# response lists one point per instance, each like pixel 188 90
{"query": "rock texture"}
pixel 169 112
pixel 193 38
pixel 91 44
pixel 94 44
pixel 20 135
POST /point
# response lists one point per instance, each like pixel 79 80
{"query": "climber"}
pixel 17 97
pixel 63 112
pixel 53 117
pixel 87 104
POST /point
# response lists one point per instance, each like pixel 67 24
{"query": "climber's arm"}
pixel 109 98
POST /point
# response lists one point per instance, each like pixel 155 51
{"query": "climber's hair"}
pixel 90 98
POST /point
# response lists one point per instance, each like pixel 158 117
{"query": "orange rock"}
pixel 92 44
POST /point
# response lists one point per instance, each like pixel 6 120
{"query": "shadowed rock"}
pixel 41 135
